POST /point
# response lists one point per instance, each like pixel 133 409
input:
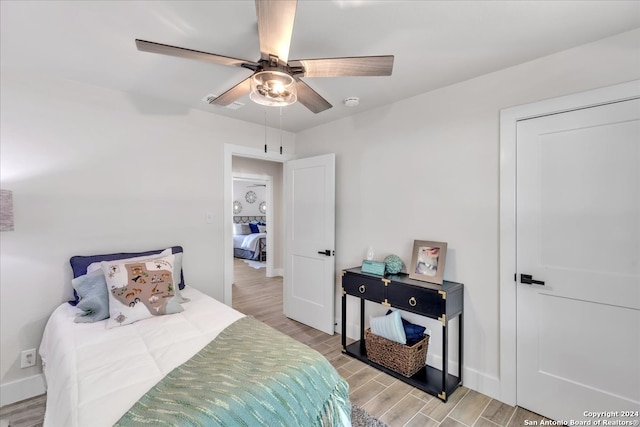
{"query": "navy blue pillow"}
pixel 413 332
pixel 80 263
pixel 254 228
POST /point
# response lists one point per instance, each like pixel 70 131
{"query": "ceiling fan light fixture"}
pixel 273 88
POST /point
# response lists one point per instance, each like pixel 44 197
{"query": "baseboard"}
pixel 277 272
pixel 22 389
pixel 482 383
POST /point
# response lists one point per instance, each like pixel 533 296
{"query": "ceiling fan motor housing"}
pixel 273 88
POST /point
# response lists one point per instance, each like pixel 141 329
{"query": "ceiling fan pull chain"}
pixel 281 131
pixel 265 130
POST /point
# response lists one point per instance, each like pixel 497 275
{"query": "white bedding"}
pixel 248 242
pixel 94 375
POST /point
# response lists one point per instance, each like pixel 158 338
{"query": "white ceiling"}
pixel 435 43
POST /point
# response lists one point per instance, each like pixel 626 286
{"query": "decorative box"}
pixel 373 267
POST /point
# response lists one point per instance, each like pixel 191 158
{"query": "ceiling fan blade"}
pixel 164 49
pixel 236 92
pixel 275 27
pixel 348 66
pixel 310 98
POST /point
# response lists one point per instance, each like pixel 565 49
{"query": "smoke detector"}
pixel 352 101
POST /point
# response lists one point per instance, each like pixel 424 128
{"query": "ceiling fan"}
pixel 276 80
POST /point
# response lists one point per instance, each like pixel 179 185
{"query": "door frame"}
pixel 509 118
pixel 231 150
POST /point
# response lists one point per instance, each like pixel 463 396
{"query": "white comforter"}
pixel 248 242
pixel 94 375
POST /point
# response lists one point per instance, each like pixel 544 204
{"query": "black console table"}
pixel 442 302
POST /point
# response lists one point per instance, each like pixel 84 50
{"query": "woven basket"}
pixel 398 357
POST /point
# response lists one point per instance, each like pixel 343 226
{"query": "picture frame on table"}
pixel 427 261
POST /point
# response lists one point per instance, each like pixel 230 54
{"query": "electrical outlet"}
pixel 28 358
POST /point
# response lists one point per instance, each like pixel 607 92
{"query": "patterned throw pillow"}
pixel 177 267
pixel 140 290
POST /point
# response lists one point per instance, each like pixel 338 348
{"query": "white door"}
pixel 578 231
pixel 309 281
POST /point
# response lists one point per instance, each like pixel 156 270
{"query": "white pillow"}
pixel 139 290
pixel 241 229
pixel 389 327
pixel 98 265
pixel 262 228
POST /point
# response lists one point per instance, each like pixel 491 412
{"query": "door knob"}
pixel 326 252
pixel 528 280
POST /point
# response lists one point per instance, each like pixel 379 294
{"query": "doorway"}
pixel 248 155
pixel 584 126
pixel 254 214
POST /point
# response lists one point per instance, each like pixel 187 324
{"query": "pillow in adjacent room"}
pixel 389 327
pixel 241 229
pixel 262 228
pixel 94 299
pixel 140 290
pixel 254 228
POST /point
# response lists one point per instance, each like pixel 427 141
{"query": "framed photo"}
pixel 427 262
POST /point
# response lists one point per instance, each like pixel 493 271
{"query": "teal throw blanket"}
pixel 250 375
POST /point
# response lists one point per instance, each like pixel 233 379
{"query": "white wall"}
pixel 240 189
pixel 427 168
pixel 99 171
pixel 246 165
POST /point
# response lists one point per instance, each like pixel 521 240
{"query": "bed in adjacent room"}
pixel 250 238
pixel 201 363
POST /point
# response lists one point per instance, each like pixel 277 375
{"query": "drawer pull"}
pixel 362 289
pixel 412 301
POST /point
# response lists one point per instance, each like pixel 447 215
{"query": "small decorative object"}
pixel 263 207
pixel 373 267
pixel 237 207
pixel 370 253
pixel 250 197
pixel 393 264
pixel 428 259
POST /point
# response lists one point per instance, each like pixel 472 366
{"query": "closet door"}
pixel 578 237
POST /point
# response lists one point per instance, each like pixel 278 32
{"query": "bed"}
pixel 206 365
pixel 250 237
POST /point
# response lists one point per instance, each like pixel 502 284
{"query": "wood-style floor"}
pixel 383 396
pixel 390 400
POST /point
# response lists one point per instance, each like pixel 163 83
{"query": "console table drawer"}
pixel 417 300
pixel 364 287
